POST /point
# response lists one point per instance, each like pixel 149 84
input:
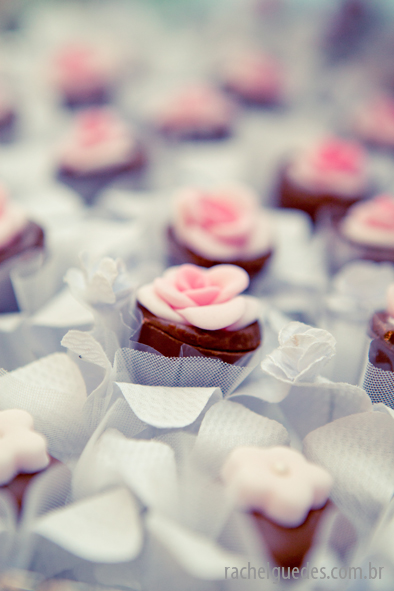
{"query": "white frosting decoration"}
pixel 333 165
pixel 195 108
pixel 374 121
pixel 371 223
pixel 79 68
pixel 278 481
pixel 224 224
pixel 99 139
pixel 254 75
pixel 22 450
pixel 12 219
pixel 205 298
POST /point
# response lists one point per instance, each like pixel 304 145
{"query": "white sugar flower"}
pixel 302 353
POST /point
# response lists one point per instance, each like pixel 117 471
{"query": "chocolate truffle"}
pixel 19 240
pixel 256 78
pixel 222 225
pixel 373 122
pixel 84 75
pixel 196 113
pixel 331 174
pixel 284 493
pixel 99 149
pixel 367 230
pixel 201 308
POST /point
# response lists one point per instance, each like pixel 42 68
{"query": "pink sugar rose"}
pixel 205 298
pixel 371 222
pixel 256 76
pixel 222 224
pixel 98 139
pixel 374 120
pixel 379 212
pixel 333 165
pixel 196 106
pixel 336 154
pixel 78 67
pixel 278 481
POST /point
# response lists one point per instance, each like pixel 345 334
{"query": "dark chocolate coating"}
pixel 180 254
pixel 7 127
pixel 30 239
pixel 32 236
pixel 167 337
pixel 250 100
pixel 88 185
pixel 17 487
pixel 288 546
pixel 216 132
pixel 292 196
pixel 367 252
pixel 95 97
pixel 381 349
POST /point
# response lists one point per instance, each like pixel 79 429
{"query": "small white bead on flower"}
pixel 22 450
pixel 278 481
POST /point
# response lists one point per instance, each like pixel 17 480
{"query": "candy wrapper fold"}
pixel 227 425
pixel 363 478
pixel 52 389
pixel 167 407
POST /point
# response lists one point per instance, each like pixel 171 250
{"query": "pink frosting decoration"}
pixel 22 450
pixel 256 76
pixel 224 224
pixel 99 139
pixel 371 222
pixel 332 165
pixel 374 121
pixel 205 298
pixel 78 68
pixel 12 219
pixel 196 108
pixel 278 481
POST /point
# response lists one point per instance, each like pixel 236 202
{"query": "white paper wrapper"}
pixel 363 478
pixel 52 389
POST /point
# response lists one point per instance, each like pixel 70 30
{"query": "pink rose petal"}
pixel 203 296
pixel 175 298
pixel 190 277
pixel 148 297
pixel 231 279
pixel 216 316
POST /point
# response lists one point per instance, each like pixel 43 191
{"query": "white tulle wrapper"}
pixel 48 308
pixel 356 292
